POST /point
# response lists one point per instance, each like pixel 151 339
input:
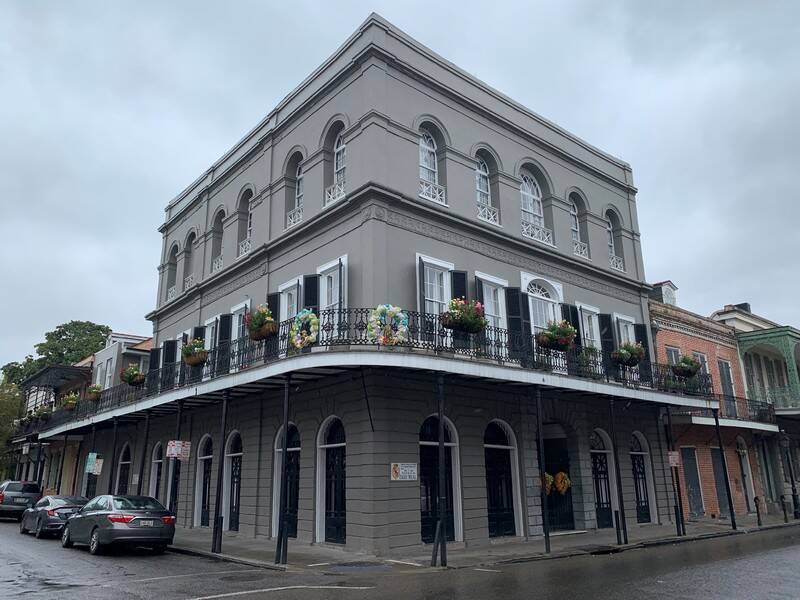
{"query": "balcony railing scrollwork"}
pixel 294 216
pixel 432 191
pixel 738 408
pixel 188 281
pixel 171 293
pixel 334 193
pixel 580 248
pixel 488 213
pixel 537 232
pixel 216 264
pixel 245 246
pixel 616 263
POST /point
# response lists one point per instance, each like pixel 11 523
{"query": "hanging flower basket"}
pixel 261 324
pixel 547 483
pixel 557 336
pixel 93 393
pixel 42 414
pixel 562 483
pixel 305 329
pixel 628 355
pixel 194 352
pixel 387 325
pixel 132 376
pixel 466 316
pixel 686 367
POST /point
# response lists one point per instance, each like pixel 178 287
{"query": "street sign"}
pixel 403 472
pixel 98 466
pixel 674 458
pixel 26 448
pixel 90 461
pixel 179 449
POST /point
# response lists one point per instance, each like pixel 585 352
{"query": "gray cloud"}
pixel 108 110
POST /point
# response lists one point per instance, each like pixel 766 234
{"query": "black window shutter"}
pixel 640 331
pixel 608 342
pixel 152 374
pixel 311 292
pixel 199 333
pixel 274 305
pixel 458 284
pixel 224 328
pixel 155 358
pixel 514 319
pixel 169 351
pixel 223 362
pixel 342 283
pixel 478 290
pixel 421 278
pixel 527 336
pixel 570 314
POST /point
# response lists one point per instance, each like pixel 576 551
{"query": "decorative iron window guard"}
pixel 537 232
pixel 488 213
pixel 245 246
pixel 188 281
pixel 334 193
pixel 294 216
pixel 171 293
pixel 580 248
pixel 216 264
pixel 616 263
pixel 432 191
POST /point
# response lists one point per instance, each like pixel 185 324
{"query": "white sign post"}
pixel 403 472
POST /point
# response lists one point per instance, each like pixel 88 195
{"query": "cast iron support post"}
pixel 61 465
pixel 216 538
pixel 176 465
pixel 75 470
pixel 440 538
pixel 39 464
pixel 113 457
pixel 786 444
pixel 282 548
pixel 144 452
pixel 680 522
pixel 620 497
pixel 543 492
pixel 724 468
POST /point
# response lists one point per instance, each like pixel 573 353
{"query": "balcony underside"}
pixel 708 421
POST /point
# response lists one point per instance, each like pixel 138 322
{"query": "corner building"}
pixel 390 175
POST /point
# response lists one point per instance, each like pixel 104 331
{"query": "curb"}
pixel 228 558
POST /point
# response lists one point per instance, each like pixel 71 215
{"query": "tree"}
pixel 10 407
pixel 16 372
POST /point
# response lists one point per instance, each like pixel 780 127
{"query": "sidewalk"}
pixel 260 551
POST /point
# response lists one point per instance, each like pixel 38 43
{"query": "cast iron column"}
pixel 216 539
pixel 680 521
pixel 281 549
pixel 620 497
pixel 75 470
pixel 786 445
pixel 113 458
pixel 61 465
pixel 176 465
pixel 724 467
pixel 543 492
pixel 39 464
pixel 440 538
pixel 144 452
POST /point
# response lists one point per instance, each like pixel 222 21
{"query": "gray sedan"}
pixel 50 514
pixel 120 520
pixel 17 496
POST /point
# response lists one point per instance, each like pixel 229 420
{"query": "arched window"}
pixel 642 478
pixel 580 247
pixel 202 493
pixel 614 237
pixel 292 480
pixel 339 159
pixel 428 167
pixel 216 242
pixel 298 187
pixel 231 500
pixel 484 195
pixel 502 479
pixel 331 482
pixel 533 225
pixel 245 223
pixel 188 262
pixel 543 305
pixel 172 272
pixel 603 478
pixel 156 470
pixel 429 481
pixel 124 470
pixel 294 190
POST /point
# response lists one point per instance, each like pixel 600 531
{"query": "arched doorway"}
pixel 642 478
pixel 429 480
pixel 603 478
pixel 202 493
pixel 747 474
pixel 156 470
pixel 502 485
pixel 292 480
pixel 124 470
pixel 233 482
pixel 332 482
pixel 560 513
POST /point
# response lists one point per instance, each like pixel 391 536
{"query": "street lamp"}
pixel 785 445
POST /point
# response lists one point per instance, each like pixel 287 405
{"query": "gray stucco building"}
pixel 390 175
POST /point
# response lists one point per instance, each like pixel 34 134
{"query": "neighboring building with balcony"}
pixel 390 175
pixel 121 351
pixel 748 427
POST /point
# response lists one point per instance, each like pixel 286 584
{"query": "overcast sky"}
pixel 108 110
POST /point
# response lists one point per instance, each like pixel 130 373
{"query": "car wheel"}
pixel 38 533
pixel 22 528
pixel 159 548
pixel 95 547
pixel 66 540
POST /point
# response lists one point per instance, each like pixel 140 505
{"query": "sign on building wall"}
pixel 403 472
pixel 26 448
pixel 179 449
pixel 98 466
pixel 674 458
pixel 91 458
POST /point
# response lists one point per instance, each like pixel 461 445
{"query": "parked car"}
pixel 120 520
pixel 17 496
pixel 50 514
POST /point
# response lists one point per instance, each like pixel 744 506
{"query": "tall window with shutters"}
pixel 290 301
pixel 626 334
pixel 543 305
pixel 590 327
pixel 436 289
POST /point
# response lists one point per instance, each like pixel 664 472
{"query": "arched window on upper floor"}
pixel 216 242
pixel 172 273
pixel 335 164
pixel 486 190
pixel 577 221
pixel 431 165
pixel 188 262
pixel 294 190
pixel 245 223
pixel 543 305
pixel 533 221
pixel 616 258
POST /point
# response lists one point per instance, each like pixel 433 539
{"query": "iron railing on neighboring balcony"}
pixel 736 407
pixel 347 329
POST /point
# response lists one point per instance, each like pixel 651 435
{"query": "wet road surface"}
pixel 762 565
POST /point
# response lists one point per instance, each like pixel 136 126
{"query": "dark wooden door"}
pixel 293 486
pixel 602 490
pixel 235 493
pixel 205 494
pixel 499 492
pixel 335 496
pixel 559 506
pixel 745 479
pixel 692 478
pixel 719 480
pixel 640 488
pixel 429 492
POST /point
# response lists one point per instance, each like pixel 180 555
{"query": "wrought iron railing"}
pixel 334 193
pixel 580 248
pixel 780 397
pixel 188 281
pixel 616 263
pixel 432 191
pixel 736 407
pixel 537 232
pixel 216 264
pixel 172 291
pixel 245 246
pixel 347 328
pixel 294 216
pixel 488 213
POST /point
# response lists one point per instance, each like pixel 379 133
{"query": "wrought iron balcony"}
pixel 334 193
pixel 616 263
pixel 580 248
pixel 488 213
pixel 294 216
pixel 216 264
pixel 736 407
pixel 537 232
pixel 346 329
pixel 245 246
pixel 171 293
pixel 432 191
pixel 780 397
pixel 188 281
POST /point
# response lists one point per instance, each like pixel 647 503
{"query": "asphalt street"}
pixel 753 566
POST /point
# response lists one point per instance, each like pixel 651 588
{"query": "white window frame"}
pixel 430 149
pixel 730 373
pixel 526 279
pixel 584 309
pixel 703 361
pixel 434 262
pixel 322 270
pixel 667 350
pixel 482 196
pixel 618 319
pixel 339 159
pixel 282 289
pixel 497 282
pixel 237 308
pixel 153 478
pixel 535 212
pixel 208 345
pixel 298 186
pixel 109 375
pixel 575 225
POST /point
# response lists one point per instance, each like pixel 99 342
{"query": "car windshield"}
pixel 68 501
pixel 137 503
pixel 25 488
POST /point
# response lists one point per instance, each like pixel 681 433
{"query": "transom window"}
pixel 339 156
pixel 531 200
pixel 542 306
pixel 428 170
pixel 482 182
